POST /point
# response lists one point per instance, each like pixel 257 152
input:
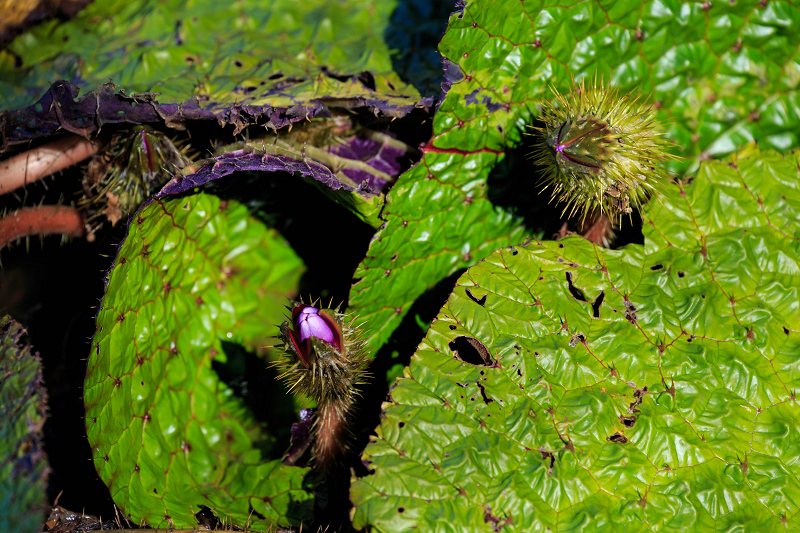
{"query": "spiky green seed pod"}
pixel 325 358
pixel 601 151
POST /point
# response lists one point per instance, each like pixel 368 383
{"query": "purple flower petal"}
pixel 311 324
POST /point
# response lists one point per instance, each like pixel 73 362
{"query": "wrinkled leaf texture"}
pixel 167 433
pixel 722 74
pixel 651 388
pixel 23 408
pixel 245 52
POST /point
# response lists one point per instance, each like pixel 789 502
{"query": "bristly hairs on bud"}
pixel 325 358
pixel 601 152
pixel 137 163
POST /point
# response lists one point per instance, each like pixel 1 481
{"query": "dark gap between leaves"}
pixel 54 290
pixel 255 382
pixel 300 212
pixel 391 358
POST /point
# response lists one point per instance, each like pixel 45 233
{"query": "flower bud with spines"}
pixel 324 358
pixel 137 164
pixel 601 151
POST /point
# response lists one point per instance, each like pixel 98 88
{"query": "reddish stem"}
pixel 41 220
pixel 332 432
pixel 598 230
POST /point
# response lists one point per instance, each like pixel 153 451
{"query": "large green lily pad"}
pixel 168 434
pixel 242 63
pixel 651 388
pixel 722 73
pixel 244 52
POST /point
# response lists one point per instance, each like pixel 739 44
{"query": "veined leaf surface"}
pixel 651 388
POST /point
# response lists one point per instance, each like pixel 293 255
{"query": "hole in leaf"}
pixel 206 519
pixel 574 291
pixel 489 518
pixel 630 311
pixel 485 397
pixel 597 303
pixel 471 351
pixel 480 301
pixel 639 396
pixel 579 338
pixel 252 512
pixel 627 421
pixel 617 437
pixel 367 79
pixel 549 455
pixel 657 267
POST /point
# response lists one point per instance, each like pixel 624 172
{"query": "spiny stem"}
pixel 598 229
pixel 41 220
pixel 33 165
pixel 332 432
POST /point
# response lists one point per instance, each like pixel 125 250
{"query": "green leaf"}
pixel 167 433
pixel 23 408
pixel 243 52
pixel 647 388
pixel 708 69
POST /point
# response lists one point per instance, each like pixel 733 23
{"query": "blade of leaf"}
pixel 167 434
pixel 703 66
pixel 669 404
pixel 235 62
pixel 23 406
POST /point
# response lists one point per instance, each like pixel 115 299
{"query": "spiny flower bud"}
pixel 137 165
pixel 601 151
pixel 324 358
pixel 311 323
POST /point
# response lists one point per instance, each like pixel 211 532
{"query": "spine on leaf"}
pixel 325 358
